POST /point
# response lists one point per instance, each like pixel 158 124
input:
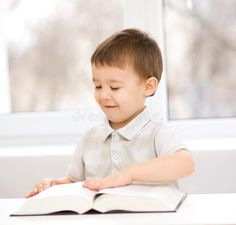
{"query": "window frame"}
pixel 33 128
pixel 4 84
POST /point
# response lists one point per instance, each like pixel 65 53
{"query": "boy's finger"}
pixel 86 183
pixel 47 185
pixel 29 194
pixel 32 193
pixel 42 187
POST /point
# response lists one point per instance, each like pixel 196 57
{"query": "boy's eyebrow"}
pixel 110 81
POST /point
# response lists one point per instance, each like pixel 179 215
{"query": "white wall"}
pixel 214 172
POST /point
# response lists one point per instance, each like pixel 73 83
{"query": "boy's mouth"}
pixel 109 106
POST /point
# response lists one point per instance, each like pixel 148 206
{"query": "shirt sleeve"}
pixel 76 170
pixel 167 140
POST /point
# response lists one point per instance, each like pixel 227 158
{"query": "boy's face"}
pixel 119 92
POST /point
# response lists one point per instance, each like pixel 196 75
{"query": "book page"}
pixel 142 190
pixel 75 189
pixel 72 197
pixel 138 197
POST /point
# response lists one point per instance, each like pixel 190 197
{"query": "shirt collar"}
pixel 132 128
pixel 107 130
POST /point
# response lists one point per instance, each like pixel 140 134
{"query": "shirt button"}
pixel 117 137
pixel 115 157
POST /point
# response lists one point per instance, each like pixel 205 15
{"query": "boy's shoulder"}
pixel 160 126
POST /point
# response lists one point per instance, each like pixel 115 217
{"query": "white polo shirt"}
pixel 103 151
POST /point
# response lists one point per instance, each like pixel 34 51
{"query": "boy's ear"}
pixel 150 86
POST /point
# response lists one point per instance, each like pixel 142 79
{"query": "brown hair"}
pixel 131 46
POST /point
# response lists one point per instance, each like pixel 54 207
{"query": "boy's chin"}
pixel 118 123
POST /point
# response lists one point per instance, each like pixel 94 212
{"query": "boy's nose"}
pixel 105 94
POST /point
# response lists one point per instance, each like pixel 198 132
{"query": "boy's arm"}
pixel 46 183
pixel 164 168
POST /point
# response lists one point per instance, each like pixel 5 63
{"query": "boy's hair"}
pixel 134 47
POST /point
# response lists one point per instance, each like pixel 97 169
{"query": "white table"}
pixel 196 209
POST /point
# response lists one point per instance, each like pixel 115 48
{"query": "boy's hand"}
pixel 118 179
pixel 46 183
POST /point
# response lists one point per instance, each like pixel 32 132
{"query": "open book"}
pixel 131 198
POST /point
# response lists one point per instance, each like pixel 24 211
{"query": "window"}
pixel 58 110
pixel 45 46
pixel 49 44
pixel 201 53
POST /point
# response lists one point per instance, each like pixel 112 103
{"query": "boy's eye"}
pixel 115 88
pixel 98 87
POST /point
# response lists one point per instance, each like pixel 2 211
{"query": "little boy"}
pixel 130 145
